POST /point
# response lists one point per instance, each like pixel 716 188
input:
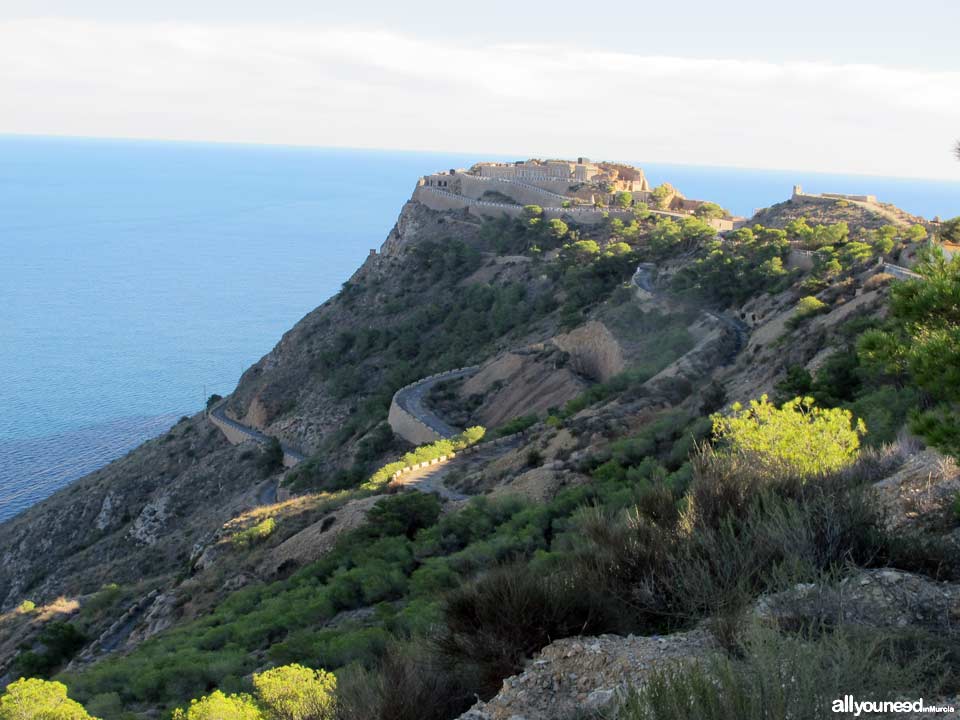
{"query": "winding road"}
pixel 218 415
pixel 411 398
pixel 643 280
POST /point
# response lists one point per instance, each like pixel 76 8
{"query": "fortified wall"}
pixel 799 193
pixel 475 187
pixel 439 198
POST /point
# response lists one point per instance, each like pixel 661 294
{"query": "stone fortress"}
pixel 580 191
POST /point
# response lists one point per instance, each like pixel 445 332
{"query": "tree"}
pixel 797 439
pixel 403 514
pixel 585 249
pixel 271 457
pixel 36 699
pixel 798 230
pixel 662 195
pixel 856 252
pixel 617 248
pixel 709 210
pixel 915 233
pixel 810 306
pixel 623 199
pixel 922 341
pixel 531 212
pixel 882 239
pixel 217 706
pixel 950 230
pixel 294 692
pixel 557 228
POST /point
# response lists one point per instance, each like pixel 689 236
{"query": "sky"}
pixel 843 86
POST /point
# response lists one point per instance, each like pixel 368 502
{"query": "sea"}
pixel 138 277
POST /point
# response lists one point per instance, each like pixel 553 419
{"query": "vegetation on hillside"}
pixel 686 518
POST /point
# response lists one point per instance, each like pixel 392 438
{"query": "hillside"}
pixel 593 356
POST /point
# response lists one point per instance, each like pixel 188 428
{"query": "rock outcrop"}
pixel 589 674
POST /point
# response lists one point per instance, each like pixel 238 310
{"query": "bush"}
pixel 799 439
pixel 218 706
pixel 271 457
pixel 411 682
pixel 779 677
pixel 61 641
pixel 502 618
pixel 807 308
pixel 294 692
pixel 402 515
pixel 518 424
pixel 39 700
pixel 26 607
pixel 255 534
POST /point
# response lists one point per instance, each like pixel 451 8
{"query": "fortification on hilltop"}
pixel 799 193
pixel 580 191
pixel 615 176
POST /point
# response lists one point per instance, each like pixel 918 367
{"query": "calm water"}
pixel 137 277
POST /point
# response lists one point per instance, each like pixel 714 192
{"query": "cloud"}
pixel 351 87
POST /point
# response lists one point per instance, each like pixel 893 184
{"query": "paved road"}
pixel 740 330
pixel 219 413
pixel 412 398
pixel 431 478
pixel 898 271
pixel 643 279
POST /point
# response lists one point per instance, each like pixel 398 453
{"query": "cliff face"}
pixel 135 520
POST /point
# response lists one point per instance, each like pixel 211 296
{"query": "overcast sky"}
pixel 843 86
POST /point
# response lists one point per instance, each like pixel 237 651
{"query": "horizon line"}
pixel 420 151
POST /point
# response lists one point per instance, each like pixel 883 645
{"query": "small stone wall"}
pixel 408 427
pixel 437 198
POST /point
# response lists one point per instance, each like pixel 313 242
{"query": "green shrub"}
pixel 518 424
pixel 255 534
pixel 36 699
pixel 26 607
pixel 409 683
pixel 218 706
pixel 806 308
pixel 294 692
pixel 425 453
pixel 60 640
pixel 778 677
pixel 798 439
pixel 509 613
pixel 404 514
pixel 271 457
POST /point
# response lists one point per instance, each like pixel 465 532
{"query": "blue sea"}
pixel 137 278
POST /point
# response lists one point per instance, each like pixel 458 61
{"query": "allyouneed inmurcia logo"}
pixel 848 705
